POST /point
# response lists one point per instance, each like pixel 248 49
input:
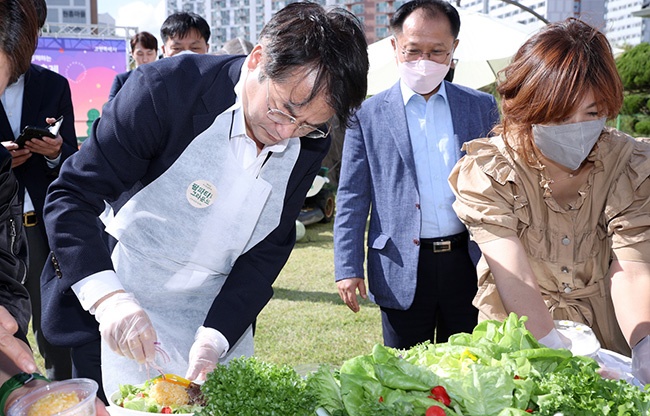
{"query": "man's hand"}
pixel 48 147
pixel 204 354
pixel 348 291
pixel 126 327
pixel 14 349
pixel 18 155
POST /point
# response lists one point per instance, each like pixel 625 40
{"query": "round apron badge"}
pixel 201 193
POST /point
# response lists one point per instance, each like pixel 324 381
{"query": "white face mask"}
pixel 568 144
pixel 423 75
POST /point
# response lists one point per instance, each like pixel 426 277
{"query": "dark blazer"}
pixel 162 107
pixel 118 82
pixel 47 94
pixel 378 171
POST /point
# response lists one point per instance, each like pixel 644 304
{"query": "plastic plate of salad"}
pixel 165 394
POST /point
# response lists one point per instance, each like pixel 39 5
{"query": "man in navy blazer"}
pixel 396 160
pixel 279 98
pixel 37 95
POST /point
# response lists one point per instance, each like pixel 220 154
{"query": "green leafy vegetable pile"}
pixel 499 369
pixel 576 389
pixel 248 386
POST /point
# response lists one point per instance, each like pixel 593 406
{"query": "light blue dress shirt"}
pixel 436 151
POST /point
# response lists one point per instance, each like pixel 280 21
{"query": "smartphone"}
pixel 31 132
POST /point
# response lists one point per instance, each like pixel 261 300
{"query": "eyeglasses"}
pixel 411 55
pixel 280 117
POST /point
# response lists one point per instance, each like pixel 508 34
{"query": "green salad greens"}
pixel 499 369
pixel 247 386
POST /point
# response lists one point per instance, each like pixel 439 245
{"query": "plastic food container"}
pixel 75 397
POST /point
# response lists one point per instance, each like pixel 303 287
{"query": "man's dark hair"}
pixel 18 34
pixel 432 9
pixel 329 42
pixel 146 39
pixel 180 24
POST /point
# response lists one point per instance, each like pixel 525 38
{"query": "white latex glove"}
pixel 641 360
pixel 209 345
pixel 555 340
pixel 126 328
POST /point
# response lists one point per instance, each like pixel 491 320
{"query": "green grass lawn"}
pixel 306 323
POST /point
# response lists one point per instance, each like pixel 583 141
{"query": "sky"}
pixel 145 14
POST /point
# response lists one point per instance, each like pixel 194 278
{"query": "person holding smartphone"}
pixel 38 97
pixel 18 370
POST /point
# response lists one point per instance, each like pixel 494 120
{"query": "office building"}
pixel 72 12
pixel 614 17
pixel 619 19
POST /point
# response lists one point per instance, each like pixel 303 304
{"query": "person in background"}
pixel 396 158
pixel 558 203
pixel 18 371
pixel 215 155
pixel 37 97
pixel 236 46
pixel 184 31
pixel 144 49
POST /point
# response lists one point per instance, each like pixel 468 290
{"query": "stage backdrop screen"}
pixel 90 65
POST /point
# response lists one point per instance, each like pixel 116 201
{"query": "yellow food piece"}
pixel 53 403
pixel 172 378
pixel 169 394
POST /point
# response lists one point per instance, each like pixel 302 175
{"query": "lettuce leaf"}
pixel 499 369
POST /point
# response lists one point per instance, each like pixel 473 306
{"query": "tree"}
pixel 634 69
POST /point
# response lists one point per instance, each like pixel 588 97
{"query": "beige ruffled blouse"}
pixel 569 248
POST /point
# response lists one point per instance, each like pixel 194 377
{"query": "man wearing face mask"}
pixel 396 159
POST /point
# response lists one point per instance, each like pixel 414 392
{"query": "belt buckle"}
pixel 29 219
pixel 441 246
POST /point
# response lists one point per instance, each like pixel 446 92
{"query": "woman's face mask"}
pixel 568 144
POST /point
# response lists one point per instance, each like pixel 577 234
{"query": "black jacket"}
pixel 13 248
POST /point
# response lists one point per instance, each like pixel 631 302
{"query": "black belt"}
pixel 30 219
pixel 445 244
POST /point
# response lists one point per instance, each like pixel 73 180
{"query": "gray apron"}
pixel 180 236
